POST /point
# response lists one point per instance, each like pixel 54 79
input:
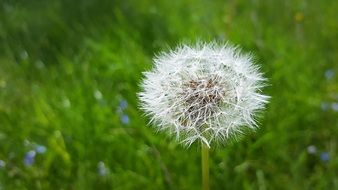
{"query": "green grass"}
pixel 65 66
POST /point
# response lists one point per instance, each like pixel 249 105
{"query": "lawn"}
pixel 70 71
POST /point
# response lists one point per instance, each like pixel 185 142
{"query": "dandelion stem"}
pixel 205 166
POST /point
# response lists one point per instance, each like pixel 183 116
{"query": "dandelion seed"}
pixel 208 93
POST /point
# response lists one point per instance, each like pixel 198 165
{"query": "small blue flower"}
pixel 123 104
pixel 334 106
pixel 329 74
pixel 124 119
pixel 29 158
pixel 324 157
pixel 40 149
pixel 102 169
pixel 2 164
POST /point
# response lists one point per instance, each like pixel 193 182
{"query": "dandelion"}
pixel 207 93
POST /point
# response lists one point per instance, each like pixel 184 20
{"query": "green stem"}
pixel 205 166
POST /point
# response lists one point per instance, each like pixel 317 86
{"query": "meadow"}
pixel 70 71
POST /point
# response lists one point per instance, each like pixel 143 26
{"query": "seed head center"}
pixel 203 94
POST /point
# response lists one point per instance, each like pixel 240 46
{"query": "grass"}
pixel 68 67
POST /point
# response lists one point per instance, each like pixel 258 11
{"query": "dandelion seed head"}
pixel 209 92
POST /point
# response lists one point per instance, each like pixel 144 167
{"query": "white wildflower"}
pixel 208 93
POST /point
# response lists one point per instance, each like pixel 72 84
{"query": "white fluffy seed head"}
pixel 209 93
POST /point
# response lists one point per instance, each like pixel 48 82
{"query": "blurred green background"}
pixel 69 73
